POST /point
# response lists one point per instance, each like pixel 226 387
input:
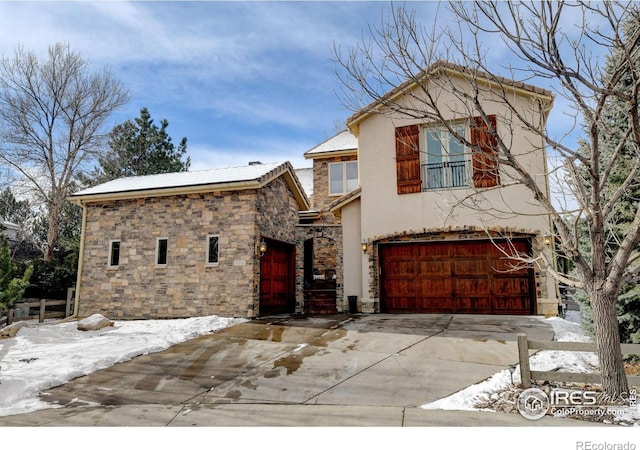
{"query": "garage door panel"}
pixel 454 277
pixel 435 267
pixel 510 285
pixel 510 304
pixel 471 286
pixel 470 305
pixel 401 287
pixel 434 286
pixel 435 251
pixel 436 304
pixel 402 269
pixel 401 304
pixel 509 266
pixel 470 267
pixel 470 249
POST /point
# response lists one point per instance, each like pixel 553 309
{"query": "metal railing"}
pixel 445 175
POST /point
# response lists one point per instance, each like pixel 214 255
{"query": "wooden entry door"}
pixel 471 277
pixel 277 279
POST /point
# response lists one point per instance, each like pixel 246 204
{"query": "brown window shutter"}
pixel 485 153
pixel 408 159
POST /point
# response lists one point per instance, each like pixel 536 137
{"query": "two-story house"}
pixel 404 217
pixel 436 226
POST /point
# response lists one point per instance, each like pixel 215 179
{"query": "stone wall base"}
pixel 369 305
pixel 547 307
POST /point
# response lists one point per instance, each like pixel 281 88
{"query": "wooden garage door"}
pixel 471 277
pixel 277 279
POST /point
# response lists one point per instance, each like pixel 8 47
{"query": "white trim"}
pixel 206 261
pixel 157 264
pixel 445 156
pixel 344 177
pixel 110 253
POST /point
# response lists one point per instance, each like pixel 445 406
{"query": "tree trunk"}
pixel 605 320
pixel 52 231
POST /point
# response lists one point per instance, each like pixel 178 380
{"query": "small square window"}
pixel 213 251
pixel 114 253
pixel 162 246
pixel 343 177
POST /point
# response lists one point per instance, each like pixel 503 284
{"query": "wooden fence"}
pixel 27 304
pixel 526 374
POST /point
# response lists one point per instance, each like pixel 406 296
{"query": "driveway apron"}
pixel 372 360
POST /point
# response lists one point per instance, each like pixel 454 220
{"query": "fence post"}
pixel 71 292
pixel 9 316
pixel 43 305
pixel 523 354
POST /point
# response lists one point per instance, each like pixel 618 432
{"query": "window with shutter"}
pixel 408 159
pixel 484 154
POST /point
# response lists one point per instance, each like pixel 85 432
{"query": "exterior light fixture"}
pixel 262 247
pixel 364 246
pixel 547 239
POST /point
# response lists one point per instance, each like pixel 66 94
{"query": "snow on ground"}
pixel 500 384
pixel 42 356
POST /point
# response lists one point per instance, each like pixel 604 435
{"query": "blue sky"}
pixel 242 81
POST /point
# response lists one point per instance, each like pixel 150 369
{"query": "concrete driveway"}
pixel 373 369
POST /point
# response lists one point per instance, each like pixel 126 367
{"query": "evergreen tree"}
pixel 12 285
pixel 140 147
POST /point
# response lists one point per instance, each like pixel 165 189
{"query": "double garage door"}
pixel 473 277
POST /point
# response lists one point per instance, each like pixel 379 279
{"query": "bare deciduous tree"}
pixel 51 116
pixel 562 47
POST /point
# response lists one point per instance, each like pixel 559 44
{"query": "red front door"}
pixel 277 279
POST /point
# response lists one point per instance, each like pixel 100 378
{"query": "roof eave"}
pixel 164 192
pixel 337 205
pixel 439 67
pixel 329 154
pixel 285 169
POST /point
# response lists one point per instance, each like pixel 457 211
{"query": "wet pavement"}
pixel 360 370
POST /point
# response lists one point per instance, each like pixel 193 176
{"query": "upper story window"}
pixel 446 161
pixel 343 177
pixel 436 158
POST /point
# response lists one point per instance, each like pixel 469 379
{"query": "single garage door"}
pixel 472 277
pixel 277 278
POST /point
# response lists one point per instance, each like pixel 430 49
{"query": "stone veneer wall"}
pixel 327 254
pixel 277 219
pixel 186 286
pixel 321 198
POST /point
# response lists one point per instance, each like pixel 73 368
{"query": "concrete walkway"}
pixel 362 370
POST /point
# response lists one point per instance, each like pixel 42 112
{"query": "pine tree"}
pixel 140 147
pixel 12 285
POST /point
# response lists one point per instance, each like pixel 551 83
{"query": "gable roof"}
pixel 252 176
pixel 343 143
pixel 305 175
pixel 451 69
pixel 337 205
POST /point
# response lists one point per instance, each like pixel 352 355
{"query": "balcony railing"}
pixel 445 175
